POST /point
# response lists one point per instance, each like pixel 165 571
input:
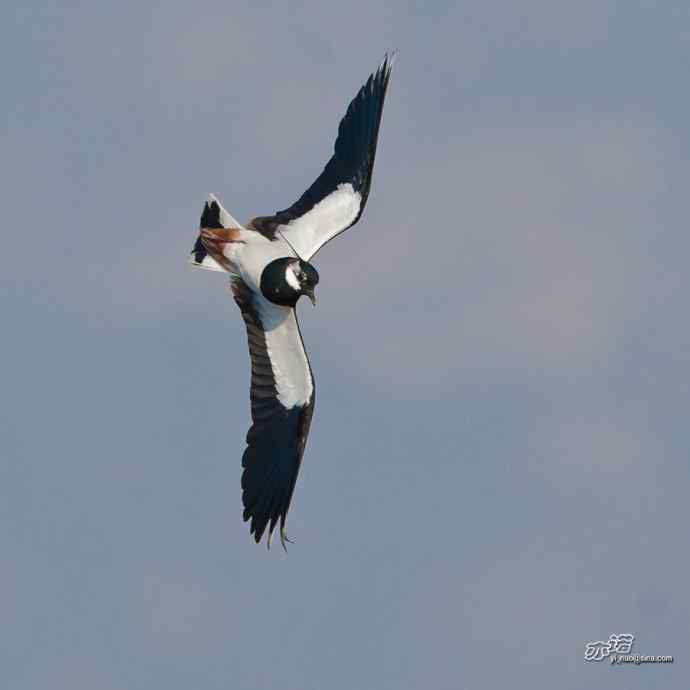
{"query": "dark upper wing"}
pixel 337 199
pixel 282 397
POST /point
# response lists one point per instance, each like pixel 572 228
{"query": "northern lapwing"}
pixel 267 260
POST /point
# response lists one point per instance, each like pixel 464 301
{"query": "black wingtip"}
pixel 383 72
pixel 389 60
pixel 271 462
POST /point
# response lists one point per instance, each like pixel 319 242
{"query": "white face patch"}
pixel 291 273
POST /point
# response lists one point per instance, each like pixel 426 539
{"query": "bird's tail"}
pixel 213 217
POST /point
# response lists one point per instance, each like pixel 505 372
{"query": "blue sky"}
pixel 497 472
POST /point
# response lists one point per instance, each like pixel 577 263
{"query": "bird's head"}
pixel 284 281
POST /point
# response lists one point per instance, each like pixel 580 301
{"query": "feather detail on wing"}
pixel 336 200
pixel 282 403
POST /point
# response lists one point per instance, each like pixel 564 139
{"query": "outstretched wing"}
pixel 282 399
pixel 337 199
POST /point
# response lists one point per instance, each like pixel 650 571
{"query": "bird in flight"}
pixel 267 260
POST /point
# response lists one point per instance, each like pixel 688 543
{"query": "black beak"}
pixel 310 294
